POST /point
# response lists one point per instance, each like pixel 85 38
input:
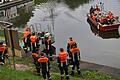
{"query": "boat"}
pixel 106 34
pixel 100 24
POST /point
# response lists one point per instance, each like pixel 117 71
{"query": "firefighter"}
pixel 35 56
pixel 94 17
pixel 2 53
pixel 63 64
pixel 44 62
pixel 71 42
pixel 48 47
pixel 110 17
pixel 26 39
pixel 75 59
pixel 34 42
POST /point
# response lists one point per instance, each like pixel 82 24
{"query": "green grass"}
pixel 7 73
pixel 10 74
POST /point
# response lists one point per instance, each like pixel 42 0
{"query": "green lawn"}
pixel 7 73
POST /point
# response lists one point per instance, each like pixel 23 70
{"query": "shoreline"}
pixel 114 72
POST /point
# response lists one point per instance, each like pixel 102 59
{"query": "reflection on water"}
pixel 75 3
pixel 105 34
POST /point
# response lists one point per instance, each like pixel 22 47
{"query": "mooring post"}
pixel 12 48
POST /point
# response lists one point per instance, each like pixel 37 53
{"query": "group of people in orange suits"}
pixel 42 58
pixel 102 17
pixel 64 59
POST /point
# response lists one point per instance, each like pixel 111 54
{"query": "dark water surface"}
pixel 69 19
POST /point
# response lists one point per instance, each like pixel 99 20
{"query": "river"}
pixel 67 18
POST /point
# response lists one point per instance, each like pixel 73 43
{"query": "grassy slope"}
pixel 10 74
pixel 6 73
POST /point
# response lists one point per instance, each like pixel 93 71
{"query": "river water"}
pixel 69 20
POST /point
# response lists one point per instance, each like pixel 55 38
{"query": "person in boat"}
pixel 75 60
pixel 91 9
pixel 97 11
pixel 63 63
pixel 44 62
pixel 94 17
pixel 3 51
pixel 34 42
pixel 110 17
pixel 26 39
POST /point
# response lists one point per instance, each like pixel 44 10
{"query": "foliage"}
pixel 7 73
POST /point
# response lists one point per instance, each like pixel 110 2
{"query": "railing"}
pixel 4 24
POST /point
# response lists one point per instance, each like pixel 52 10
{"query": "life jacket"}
pixel 63 56
pixel 110 16
pixel 74 50
pixel 75 54
pixel 43 59
pixel 2 48
pixel 26 33
pixel 33 39
pixel 35 55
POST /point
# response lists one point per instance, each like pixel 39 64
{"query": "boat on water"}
pixel 106 34
pixel 102 21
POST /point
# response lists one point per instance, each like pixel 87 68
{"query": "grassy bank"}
pixel 7 73
pixel 10 74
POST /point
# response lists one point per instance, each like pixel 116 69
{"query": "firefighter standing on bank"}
pixel 2 53
pixel 48 45
pixel 26 39
pixel 63 64
pixel 34 42
pixel 70 44
pixel 75 60
pixel 44 62
pixel 35 56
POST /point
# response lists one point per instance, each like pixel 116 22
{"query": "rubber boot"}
pixel 79 72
